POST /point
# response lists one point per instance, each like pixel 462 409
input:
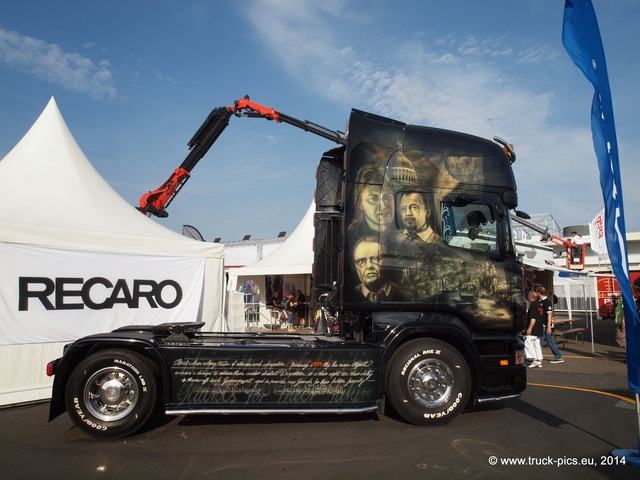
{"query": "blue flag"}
pixel 581 39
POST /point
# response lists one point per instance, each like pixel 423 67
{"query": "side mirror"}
pixel 504 237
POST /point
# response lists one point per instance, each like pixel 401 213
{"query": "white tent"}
pixel 78 259
pixel 293 259
pixel 294 256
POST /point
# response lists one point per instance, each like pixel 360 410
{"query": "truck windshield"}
pixel 471 226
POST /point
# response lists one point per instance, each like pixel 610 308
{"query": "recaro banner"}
pixel 49 294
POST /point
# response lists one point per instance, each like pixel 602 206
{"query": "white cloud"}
pixel 46 61
pixel 483 86
pixel 446 83
pixel 304 41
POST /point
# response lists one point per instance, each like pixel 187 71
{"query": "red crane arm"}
pixel 155 202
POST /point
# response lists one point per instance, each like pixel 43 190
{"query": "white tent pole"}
pixel 593 351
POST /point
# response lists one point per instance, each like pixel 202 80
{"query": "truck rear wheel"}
pixel 428 382
pixel 111 393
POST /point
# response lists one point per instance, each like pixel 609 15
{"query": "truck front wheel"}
pixel 428 382
pixel 111 393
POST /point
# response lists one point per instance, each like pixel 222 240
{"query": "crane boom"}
pixel 574 251
pixel 155 202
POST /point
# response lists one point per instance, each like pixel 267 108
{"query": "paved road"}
pixel 578 411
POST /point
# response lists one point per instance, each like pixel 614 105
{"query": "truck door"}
pixel 483 277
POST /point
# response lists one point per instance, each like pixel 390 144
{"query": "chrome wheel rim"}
pixel 111 394
pixel 430 383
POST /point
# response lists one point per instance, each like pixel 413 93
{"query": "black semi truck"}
pixel 415 276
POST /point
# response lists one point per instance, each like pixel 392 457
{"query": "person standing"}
pixel 619 319
pixel 303 307
pixel 532 349
pixel 291 307
pixel 547 315
pixel 578 245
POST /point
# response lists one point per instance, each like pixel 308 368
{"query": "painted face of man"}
pixel 413 212
pixel 377 206
pixel 367 259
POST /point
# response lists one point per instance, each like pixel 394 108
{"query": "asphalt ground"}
pixel 565 425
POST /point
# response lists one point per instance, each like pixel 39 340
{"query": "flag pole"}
pixel 631 456
pixel 582 41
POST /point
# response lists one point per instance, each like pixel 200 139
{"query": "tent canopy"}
pixel 53 196
pixel 293 257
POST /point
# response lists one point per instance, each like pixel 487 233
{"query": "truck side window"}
pixel 471 226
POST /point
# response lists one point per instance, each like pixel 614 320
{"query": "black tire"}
pixel 111 393
pixel 428 382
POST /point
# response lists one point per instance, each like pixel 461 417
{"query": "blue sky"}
pixel 134 80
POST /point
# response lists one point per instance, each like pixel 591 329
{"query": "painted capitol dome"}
pixel 400 169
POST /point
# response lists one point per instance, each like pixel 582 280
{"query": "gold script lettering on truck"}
pixel 416 288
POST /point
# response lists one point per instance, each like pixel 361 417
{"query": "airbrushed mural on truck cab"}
pixel 418 232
